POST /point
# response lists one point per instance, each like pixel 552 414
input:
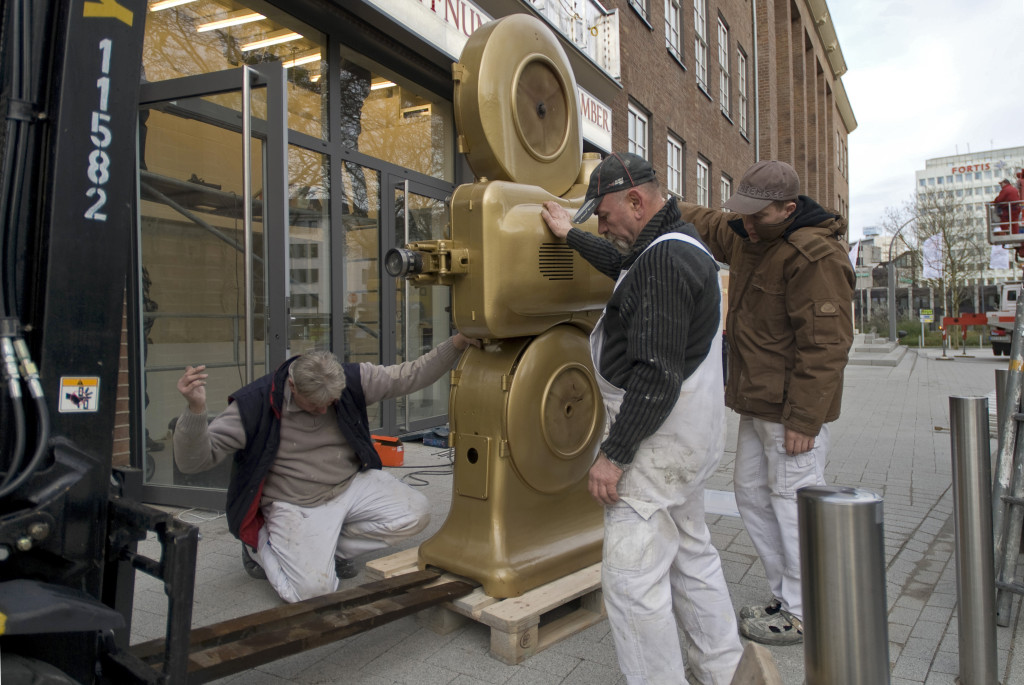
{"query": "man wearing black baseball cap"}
pixel 657 353
pixel 789 326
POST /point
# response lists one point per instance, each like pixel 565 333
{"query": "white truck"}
pixel 1000 322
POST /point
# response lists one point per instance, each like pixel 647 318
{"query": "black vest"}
pixel 259 405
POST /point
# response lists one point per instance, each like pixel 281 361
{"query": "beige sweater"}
pixel 314 460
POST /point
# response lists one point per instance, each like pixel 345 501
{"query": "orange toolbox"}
pixel 390 450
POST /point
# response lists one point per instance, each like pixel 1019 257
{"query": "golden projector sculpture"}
pixel 526 413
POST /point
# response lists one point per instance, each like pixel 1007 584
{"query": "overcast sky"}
pixel 925 79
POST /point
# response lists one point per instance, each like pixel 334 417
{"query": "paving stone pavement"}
pixel 892 439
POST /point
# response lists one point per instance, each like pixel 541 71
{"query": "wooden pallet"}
pixel 520 626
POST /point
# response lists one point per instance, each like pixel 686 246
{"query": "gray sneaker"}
pixel 760 611
pixel 781 629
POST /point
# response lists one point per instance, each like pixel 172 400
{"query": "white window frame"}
pixel 674 28
pixel 741 89
pixel 674 166
pixel 700 42
pixel 724 91
pixel 703 174
pixel 641 8
pixel 637 132
pixel 725 188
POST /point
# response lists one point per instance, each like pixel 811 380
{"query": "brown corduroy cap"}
pixel 762 184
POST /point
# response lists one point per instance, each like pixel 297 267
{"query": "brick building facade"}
pixel 780 67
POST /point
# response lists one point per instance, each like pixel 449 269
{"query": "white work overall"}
pixel 659 565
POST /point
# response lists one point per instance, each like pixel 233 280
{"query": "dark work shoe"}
pixel 251 566
pixel 344 568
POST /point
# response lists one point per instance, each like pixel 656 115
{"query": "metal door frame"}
pixel 274 135
pixel 438 191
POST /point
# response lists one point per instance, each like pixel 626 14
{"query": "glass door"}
pixel 423 317
pixel 213 254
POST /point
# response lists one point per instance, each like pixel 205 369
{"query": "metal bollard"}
pixel 1001 402
pixel 842 562
pixel 975 565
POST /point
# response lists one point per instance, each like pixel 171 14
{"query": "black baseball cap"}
pixel 616 172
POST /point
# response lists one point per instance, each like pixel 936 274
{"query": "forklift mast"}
pixel 69 83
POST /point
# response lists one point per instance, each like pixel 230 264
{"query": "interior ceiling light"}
pixel 313 56
pixel 233 19
pixel 167 4
pixel 275 38
pixel 379 85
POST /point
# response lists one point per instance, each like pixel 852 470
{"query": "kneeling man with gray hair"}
pixel 307 493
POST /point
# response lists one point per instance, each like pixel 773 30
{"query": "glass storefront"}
pixel 331 184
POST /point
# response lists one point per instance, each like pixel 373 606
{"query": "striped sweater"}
pixel 658 325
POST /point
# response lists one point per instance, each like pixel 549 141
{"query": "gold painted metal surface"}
pixel 521 280
pixel 537 521
pixel 526 413
pixel 516 106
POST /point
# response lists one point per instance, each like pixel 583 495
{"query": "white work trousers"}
pixel 660 570
pixel 765 481
pixel 297 545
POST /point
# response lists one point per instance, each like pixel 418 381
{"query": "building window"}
pixel 723 66
pixel 700 42
pixel 637 133
pixel 725 189
pixel 674 166
pixel 674 29
pixel 741 89
pixel 703 174
pixel 641 8
pixel 922 182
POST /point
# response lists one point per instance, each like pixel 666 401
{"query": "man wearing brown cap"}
pixel 657 353
pixel 790 329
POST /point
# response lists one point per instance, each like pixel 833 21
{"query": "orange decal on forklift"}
pixel 107 9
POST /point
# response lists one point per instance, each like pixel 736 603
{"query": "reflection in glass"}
pixel 360 208
pixel 205 36
pixel 391 118
pixel 191 221
pixel 423 311
pixel 309 251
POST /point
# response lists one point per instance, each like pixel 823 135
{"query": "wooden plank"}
pixel 756 667
pixel 516 646
pixel 518 628
pixel 285 615
pixel 520 612
pixel 317 630
pixel 395 564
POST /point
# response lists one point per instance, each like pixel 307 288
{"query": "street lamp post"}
pixel 891 267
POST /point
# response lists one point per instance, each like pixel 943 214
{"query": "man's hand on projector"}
pixel 557 218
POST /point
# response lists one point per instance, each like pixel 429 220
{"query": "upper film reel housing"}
pixel 516 106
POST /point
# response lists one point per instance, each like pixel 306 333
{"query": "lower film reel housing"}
pixel 527 421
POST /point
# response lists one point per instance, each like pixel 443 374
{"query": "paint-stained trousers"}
pixel 297 545
pixel 766 480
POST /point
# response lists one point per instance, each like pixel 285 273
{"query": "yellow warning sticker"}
pixel 1016 365
pixel 79 395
